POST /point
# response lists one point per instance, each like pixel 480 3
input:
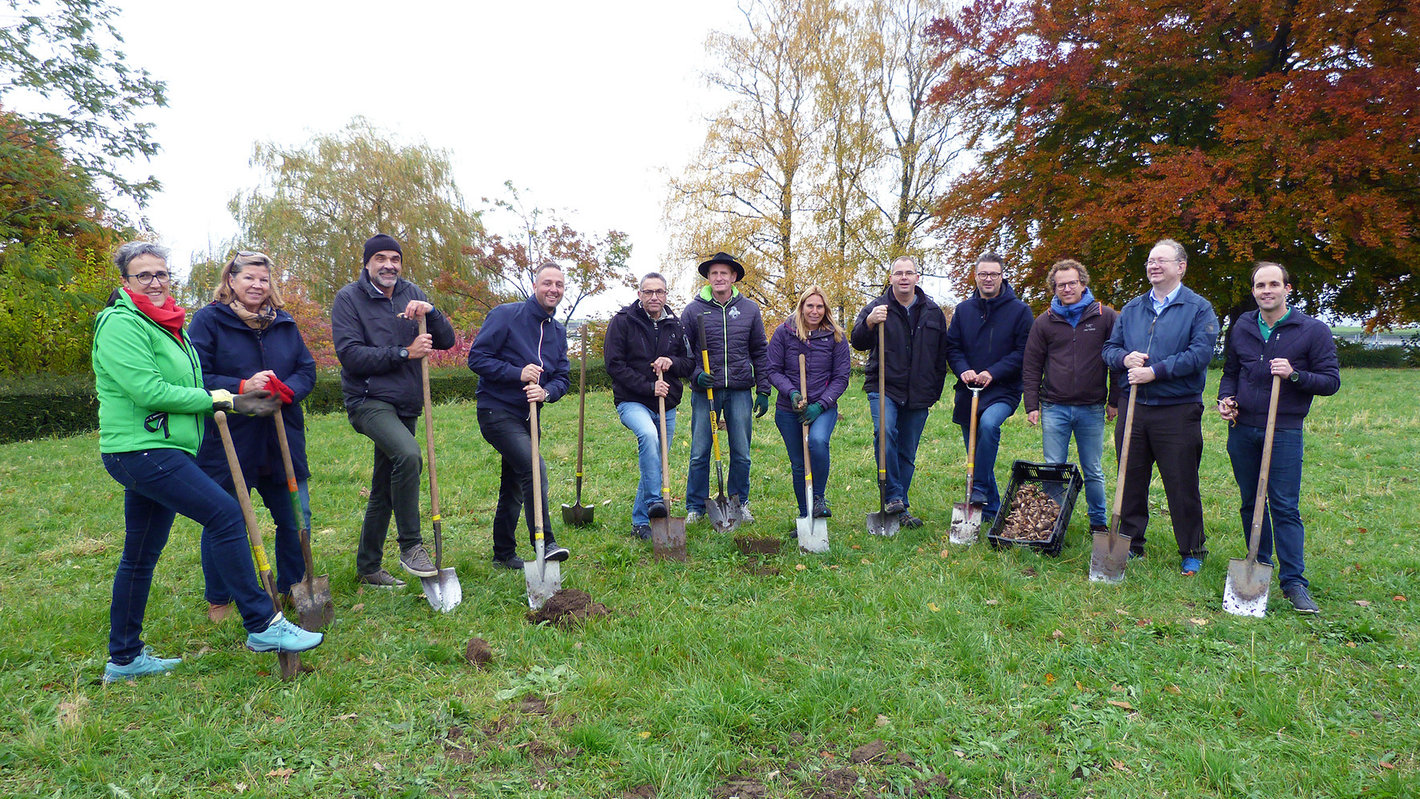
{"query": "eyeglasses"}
pixel 147 278
pixel 1068 284
pixel 653 292
pixel 1159 261
pixel 990 275
pixel 902 273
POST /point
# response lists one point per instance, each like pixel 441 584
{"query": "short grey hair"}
pixel 133 249
pixel 1178 251
pixel 906 258
pixel 652 276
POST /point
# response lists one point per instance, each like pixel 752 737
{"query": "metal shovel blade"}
pixel 1245 593
pixel 724 513
pixel 442 590
pixel 1108 556
pixel 313 603
pixel 813 534
pixel 577 515
pixel 966 523
pixel 882 523
pixel 668 538
pixel 544 578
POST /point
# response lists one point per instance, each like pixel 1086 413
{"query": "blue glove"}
pixel 810 413
pixel 704 380
pixel 761 404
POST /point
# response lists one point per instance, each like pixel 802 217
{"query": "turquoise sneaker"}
pixel 141 666
pixel 283 636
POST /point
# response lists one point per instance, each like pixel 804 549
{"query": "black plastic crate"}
pixel 1053 478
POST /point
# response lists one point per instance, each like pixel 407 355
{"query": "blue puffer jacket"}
pixel 1179 343
pixel 989 336
pixel 514 335
pixel 1247 371
pixel 232 352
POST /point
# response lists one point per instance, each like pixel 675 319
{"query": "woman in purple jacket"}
pixel 812 332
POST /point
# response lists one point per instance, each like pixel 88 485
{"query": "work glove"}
pixel 761 404
pixel 810 413
pixel 704 380
pixel 794 399
pixel 283 391
pixel 253 403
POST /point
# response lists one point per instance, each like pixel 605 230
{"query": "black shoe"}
pixel 894 506
pixel 641 531
pixel 1301 599
pixel 906 519
pixel 555 553
pixel 1099 528
pixel 656 510
pixel 1136 554
pixel 821 509
pixel 511 562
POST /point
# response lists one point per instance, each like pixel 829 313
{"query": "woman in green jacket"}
pixel 151 412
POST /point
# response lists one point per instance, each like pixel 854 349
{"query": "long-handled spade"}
pixel 880 522
pixel 1110 551
pixel 724 514
pixel 290 661
pixel 812 530
pixel 578 514
pixel 1245 593
pixel 442 590
pixel 966 515
pixel 544 577
pixel 314 606
pixel 667 532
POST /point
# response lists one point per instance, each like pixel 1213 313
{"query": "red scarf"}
pixel 170 317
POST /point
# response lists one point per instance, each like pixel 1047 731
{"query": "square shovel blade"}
pixel 1108 555
pixel 813 534
pixel 544 579
pixel 668 538
pixel 1245 593
pixel 882 523
pixel 966 523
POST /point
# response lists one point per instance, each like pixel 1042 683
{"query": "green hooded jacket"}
pixel 149 385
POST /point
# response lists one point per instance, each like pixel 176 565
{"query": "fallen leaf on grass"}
pixel 1057 635
pixel 1120 703
pixel 1119 766
pixel 856 546
pixel 278 720
pixel 378 766
pixel 1199 622
pixel 1350 542
pixel 882 721
pixel 346 717
pixel 1365 603
pixel 240 787
pixel 798 567
pixel 644 734
pixel 1143 622
pixel 1386 765
pixel 1173 689
pixel 1399 597
pixel 959 753
pixel 993 601
pixel 283 773
pixel 1049 678
pixel 944 554
pixel 1121 611
pixel 866 562
pixel 357 607
pixel 1353 733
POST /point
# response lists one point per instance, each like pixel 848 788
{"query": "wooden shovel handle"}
pixel 1254 539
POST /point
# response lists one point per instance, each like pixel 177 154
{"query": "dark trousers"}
pixel 157 485
pixel 394 485
pixel 290 564
pixel 1172 437
pixel 509 434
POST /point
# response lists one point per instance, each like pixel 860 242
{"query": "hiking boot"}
pixel 906 519
pixel 1191 566
pixel 693 516
pixel 641 531
pixel 511 562
pixel 380 579
pixel 656 510
pixel 141 666
pixel 1300 598
pixel 416 561
pixel 745 516
pixel 283 636
pixel 821 509
pixel 555 553
pixel 1099 528
pixel 894 506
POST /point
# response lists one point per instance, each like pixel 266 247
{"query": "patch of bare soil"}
pixel 740 788
pixel 478 652
pixel 868 751
pixel 759 569
pixel 758 546
pixel 568 608
pixel 533 705
pixel 936 787
pixel 646 791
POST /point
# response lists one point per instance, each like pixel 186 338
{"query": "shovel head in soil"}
pixel 443 590
pixel 1108 556
pixel 313 603
pixel 882 523
pixel 724 513
pixel 813 534
pixel 1245 593
pixel 544 578
pixel 668 538
pixel 577 515
pixel 966 523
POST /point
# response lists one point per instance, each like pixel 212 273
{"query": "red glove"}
pixel 281 390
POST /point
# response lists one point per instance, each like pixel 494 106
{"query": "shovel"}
pixel 724 514
pixel 1110 551
pixel 880 522
pixel 544 578
pixel 1245 593
pixel 966 515
pixel 290 661
pixel 667 532
pixel 813 531
pixel 442 590
pixel 578 514
pixel 312 595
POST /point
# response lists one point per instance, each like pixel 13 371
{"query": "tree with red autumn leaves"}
pixel 1286 130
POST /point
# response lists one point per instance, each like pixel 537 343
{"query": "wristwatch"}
pixel 1294 377
pixel 404 353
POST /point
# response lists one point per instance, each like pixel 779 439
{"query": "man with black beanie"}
pixel 375 325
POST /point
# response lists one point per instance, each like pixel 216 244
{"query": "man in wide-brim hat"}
pixel 739 374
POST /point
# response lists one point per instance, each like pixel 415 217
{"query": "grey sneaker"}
pixel 745 516
pixel 906 519
pixel 380 579
pixel 691 517
pixel 416 561
pixel 1301 599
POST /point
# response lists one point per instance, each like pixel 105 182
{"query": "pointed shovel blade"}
pixel 1245 593
pixel 577 515
pixel 544 578
pixel 314 606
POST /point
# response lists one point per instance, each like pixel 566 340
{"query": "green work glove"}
pixel 794 399
pixel 761 404
pixel 812 412
pixel 704 380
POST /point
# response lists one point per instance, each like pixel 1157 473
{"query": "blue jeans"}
pixel 159 484
pixel 819 433
pixel 1057 422
pixel 645 424
pixel 736 409
pixel 988 441
pixel 904 432
pixel 290 564
pixel 1281 519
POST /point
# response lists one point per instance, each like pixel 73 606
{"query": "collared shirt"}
pixel 1159 304
pixel 1266 328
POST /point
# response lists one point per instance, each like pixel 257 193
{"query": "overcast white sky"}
pixel 584 105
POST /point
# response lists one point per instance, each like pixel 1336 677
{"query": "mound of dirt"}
pixel 478 652
pixel 646 791
pixel 758 546
pixel 868 751
pixel 568 608
pixel 740 788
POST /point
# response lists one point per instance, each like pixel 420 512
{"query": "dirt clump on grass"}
pixel 533 706
pixel 478 652
pixel 758 546
pixel 567 608
pixel 738 787
pixel 647 791
pixel 759 569
pixel 869 751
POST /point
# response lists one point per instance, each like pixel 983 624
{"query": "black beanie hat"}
pixel 379 243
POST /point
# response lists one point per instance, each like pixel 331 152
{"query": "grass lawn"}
pixel 981 673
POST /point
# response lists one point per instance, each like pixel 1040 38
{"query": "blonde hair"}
pixel 802 328
pixel 222 292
